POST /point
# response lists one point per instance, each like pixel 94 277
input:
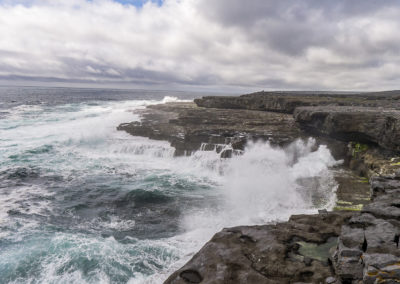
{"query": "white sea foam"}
pixel 171 99
pixel 265 184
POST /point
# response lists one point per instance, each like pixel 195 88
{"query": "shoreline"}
pixel 357 247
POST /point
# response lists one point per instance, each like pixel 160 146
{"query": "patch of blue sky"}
pixel 138 3
pixel 16 2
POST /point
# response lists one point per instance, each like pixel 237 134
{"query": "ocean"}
pixel 81 202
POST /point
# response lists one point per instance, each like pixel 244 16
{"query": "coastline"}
pixel 332 247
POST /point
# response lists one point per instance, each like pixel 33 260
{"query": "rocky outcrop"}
pixel 287 102
pixel 372 118
pixel 295 251
pixel 366 125
pixel 187 127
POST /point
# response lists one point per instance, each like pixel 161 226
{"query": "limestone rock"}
pixel 366 125
pixel 287 102
pixel 295 251
pixel 187 127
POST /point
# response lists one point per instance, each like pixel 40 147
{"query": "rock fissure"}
pixel 365 244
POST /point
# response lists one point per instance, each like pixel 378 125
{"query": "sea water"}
pixel 81 202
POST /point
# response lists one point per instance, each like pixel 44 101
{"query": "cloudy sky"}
pixel 216 44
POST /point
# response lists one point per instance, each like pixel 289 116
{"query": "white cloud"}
pixel 259 44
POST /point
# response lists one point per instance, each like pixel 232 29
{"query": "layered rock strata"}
pixel 378 126
pixel 287 102
pixel 187 127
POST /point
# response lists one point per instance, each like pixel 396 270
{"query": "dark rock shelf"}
pixel 295 251
pixel 187 126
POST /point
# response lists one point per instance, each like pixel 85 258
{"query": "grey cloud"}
pixel 292 26
pixel 268 44
pixel 236 12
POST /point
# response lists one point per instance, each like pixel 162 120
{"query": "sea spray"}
pixel 264 184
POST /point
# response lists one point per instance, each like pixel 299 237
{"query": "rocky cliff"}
pixel 331 247
pixel 287 102
pixel 379 126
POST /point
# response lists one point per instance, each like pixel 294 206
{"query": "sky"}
pixel 202 44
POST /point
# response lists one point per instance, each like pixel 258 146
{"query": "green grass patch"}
pixel 358 148
pixel 357 207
